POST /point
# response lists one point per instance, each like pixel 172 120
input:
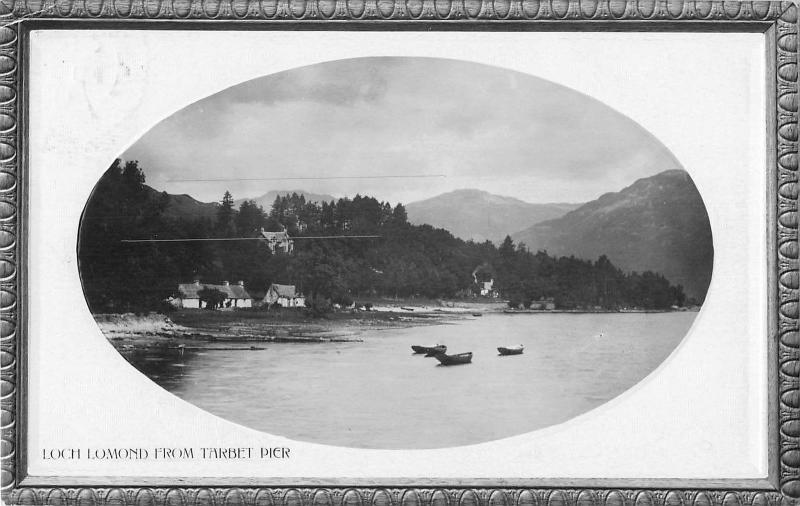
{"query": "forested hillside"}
pixel 405 261
pixel 658 223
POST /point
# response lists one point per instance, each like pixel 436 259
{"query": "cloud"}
pixel 482 126
pixel 342 83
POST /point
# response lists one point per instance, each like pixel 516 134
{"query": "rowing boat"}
pixel 436 348
pixel 511 350
pixel 459 358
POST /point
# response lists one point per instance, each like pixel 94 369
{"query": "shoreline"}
pixel 201 329
pixel 190 329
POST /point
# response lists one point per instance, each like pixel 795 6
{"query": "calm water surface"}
pixel 376 394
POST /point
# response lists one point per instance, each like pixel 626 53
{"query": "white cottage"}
pixel 487 288
pixel 284 296
pixel 236 295
pixel 278 241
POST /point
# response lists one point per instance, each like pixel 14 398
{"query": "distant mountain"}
pixel 268 198
pixel 187 207
pixel 658 223
pixel 480 215
pixel 184 206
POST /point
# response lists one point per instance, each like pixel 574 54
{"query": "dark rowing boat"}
pixel 430 350
pixel 460 358
pixel 511 350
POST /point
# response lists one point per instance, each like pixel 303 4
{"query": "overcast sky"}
pixel 461 124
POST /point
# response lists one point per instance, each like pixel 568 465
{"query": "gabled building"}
pixel 278 241
pixel 284 296
pixel 236 295
pixel 484 288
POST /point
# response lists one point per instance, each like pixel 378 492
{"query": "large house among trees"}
pixel 278 241
pixel 191 295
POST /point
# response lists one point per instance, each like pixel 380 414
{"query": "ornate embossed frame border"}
pixel 777 21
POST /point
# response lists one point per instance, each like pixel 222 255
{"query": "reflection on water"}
pixel 377 394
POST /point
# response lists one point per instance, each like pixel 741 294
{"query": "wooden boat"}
pixel 436 348
pixel 459 358
pixel 511 350
pixel 477 314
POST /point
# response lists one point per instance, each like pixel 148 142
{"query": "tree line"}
pixel 405 261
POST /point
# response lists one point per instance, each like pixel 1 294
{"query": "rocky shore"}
pixel 190 329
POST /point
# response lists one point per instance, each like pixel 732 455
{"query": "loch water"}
pixel 378 394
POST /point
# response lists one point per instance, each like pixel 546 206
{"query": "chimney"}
pixel 225 283
pixel 241 283
pixel 196 282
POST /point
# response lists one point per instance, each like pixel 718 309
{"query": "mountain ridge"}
pixel 267 199
pixel 183 205
pixel 469 213
pixel 658 223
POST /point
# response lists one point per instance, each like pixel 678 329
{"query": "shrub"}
pixel 212 297
pixel 343 300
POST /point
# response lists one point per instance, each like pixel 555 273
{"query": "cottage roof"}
pixel 189 290
pixel 288 291
pixel 238 292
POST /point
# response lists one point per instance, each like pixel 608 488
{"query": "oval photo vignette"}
pixel 329 255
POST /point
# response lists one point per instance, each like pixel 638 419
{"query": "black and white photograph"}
pixel 478 263
pixel 386 262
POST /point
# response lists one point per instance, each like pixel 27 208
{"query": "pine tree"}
pixel 225 216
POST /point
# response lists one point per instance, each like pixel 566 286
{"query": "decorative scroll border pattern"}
pixel 9 252
pixel 391 497
pixel 427 10
pixel 788 251
pixel 781 13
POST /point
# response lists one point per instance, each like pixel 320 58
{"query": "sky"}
pixel 400 130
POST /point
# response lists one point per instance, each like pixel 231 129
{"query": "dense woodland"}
pixel 406 261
